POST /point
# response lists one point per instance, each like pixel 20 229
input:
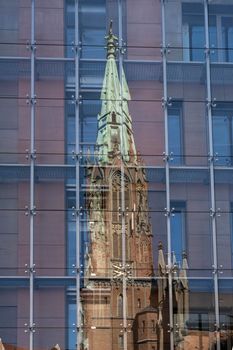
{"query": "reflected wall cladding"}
pixel 116 155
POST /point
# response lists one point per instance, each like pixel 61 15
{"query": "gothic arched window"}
pixel 117 195
pixel 116 208
pixel 120 305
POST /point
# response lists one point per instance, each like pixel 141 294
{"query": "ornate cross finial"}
pixel 111 42
pixel 110 28
pixel 160 246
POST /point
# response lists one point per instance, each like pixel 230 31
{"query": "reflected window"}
pixel 231 237
pixel 71 230
pixel 193 34
pixel 223 134
pixel 220 32
pixel 121 341
pixel 71 227
pixel 143 326
pixel 71 336
pixel 70 23
pixel 88 124
pixel 92 19
pixel 199 321
pixel 8 324
pixel 153 326
pixel 227 38
pixel 92 31
pixel 120 305
pixel 175 133
pixel 178 239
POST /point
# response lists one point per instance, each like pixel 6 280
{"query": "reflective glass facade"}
pixel 116 197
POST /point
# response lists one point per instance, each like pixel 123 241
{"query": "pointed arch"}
pixel 120 305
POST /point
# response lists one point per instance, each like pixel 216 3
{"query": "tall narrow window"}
pixel 71 236
pixel 193 32
pixel 121 341
pixel 117 195
pixel 231 234
pixel 227 38
pixel 8 324
pixel 153 325
pixel 92 16
pixel 120 306
pixel 178 241
pixel 220 32
pixel 223 133
pixel 92 19
pixel 71 313
pixel 175 133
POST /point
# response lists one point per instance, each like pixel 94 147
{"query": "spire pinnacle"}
pixel 111 42
pixel 115 134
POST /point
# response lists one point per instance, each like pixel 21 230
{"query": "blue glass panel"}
pixel 70 34
pixel 93 43
pixel 175 135
pixel 176 234
pixel 8 323
pixel 227 38
pixel 213 43
pixel 221 136
pixel 71 232
pixel 71 129
pixel 197 43
pixel 71 322
pixel 178 231
pixel 89 113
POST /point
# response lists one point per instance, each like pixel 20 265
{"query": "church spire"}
pixel 115 135
pixel 112 41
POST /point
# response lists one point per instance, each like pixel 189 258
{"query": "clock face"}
pixel 119 271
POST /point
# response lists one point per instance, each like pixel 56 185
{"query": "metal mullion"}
pixel 32 179
pixel 211 168
pixel 123 228
pixel 77 174
pixel 167 174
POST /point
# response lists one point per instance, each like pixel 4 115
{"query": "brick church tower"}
pixel 120 248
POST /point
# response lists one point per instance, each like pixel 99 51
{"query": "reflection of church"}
pixel 117 202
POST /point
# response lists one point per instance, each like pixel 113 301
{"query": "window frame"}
pixel 222 54
pixel 179 207
pixel 224 110
pixel 177 160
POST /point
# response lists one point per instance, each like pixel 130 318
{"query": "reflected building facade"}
pixel 120 246
pixel 116 174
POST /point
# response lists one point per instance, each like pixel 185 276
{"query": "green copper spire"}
pixel 114 115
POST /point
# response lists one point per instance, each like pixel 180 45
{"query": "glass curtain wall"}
pixel 116 174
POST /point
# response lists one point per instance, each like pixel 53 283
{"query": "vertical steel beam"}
pixel 123 208
pixel 32 179
pixel 167 172
pixel 77 173
pixel 211 168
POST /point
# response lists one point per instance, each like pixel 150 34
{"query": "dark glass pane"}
pixel 92 16
pixel 213 43
pixel 175 135
pixel 93 43
pixel 221 136
pixel 227 38
pixel 69 40
pixel 178 231
pixel 197 34
pixel 71 322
